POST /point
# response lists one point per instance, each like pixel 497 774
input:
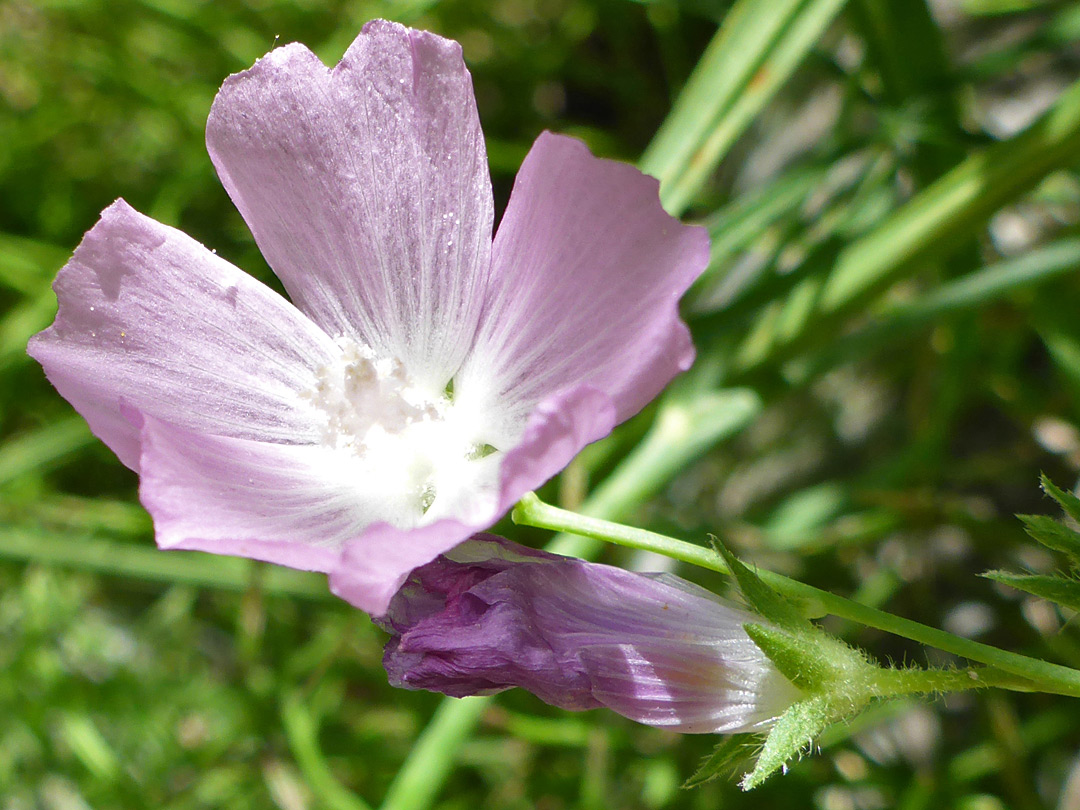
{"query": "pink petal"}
pixel 367 189
pixel 374 566
pixel 152 322
pixel 294 505
pixel 587 271
pixel 557 430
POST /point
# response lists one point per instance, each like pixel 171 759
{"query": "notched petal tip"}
pixel 366 188
pixel 283 64
pixel 280 59
pixel 563 147
pixel 394 31
pixel 430 55
pixel 148 316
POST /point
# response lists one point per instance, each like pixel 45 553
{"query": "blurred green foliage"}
pixel 882 442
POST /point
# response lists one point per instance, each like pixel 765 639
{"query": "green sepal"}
pixel 1069 503
pixel 1057 589
pixel 724 760
pixel 837 682
pixel 760 596
pixel 813 660
pixel 792 734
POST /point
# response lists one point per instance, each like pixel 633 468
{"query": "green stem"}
pixel 1053 678
pixel 432 757
pixel 687 423
pixel 903 681
pixel 302 732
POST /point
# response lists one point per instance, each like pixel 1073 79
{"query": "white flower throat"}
pixel 415 452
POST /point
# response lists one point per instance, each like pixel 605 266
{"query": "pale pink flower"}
pixel 424 377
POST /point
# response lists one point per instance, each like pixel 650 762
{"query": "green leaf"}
pixel 1060 590
pixel 1053 534
pixel 817 662
pixel 802 666
pixel 1070 504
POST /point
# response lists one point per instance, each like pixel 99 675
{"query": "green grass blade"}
pixel 89 553
pixel 112 517
pixel 755 51
pixel 302 732
pixel 21 322
pixel 38 449
pixel 733 228
pixel 26 264
pixel 728 64
pixel 433 755
pixel 905 44
pixel 956 205
pixel 960 295
pixel 796 41
pixel 952 209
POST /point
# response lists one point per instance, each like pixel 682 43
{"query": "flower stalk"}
pixel 1024 673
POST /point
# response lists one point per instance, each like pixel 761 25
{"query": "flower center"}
pixel 366 398
pixel 415 452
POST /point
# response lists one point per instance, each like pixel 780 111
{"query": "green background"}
pixel 889 341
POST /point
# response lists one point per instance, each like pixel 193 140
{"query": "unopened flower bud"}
pixel 490 615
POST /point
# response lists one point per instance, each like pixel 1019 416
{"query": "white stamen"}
pixel 420 458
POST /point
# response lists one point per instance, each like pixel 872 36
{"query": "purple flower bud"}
pixel 490 614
